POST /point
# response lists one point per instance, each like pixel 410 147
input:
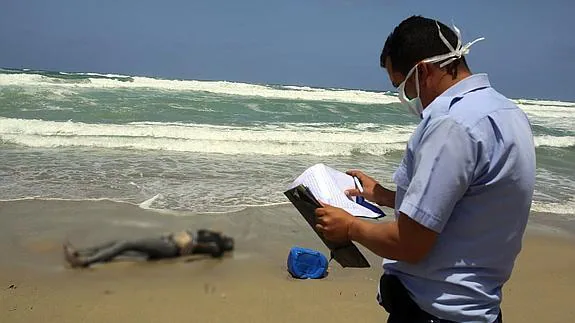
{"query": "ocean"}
pixel 215 146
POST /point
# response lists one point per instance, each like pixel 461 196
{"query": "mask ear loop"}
pixel 401 87
pixel 413 71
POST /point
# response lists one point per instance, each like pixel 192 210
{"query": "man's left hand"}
pixel 334 223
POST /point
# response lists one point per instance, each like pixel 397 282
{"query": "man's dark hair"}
pixel 415 39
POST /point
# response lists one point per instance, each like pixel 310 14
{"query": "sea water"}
pixel 214 146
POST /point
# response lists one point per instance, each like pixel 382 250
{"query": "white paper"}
pixel 328 185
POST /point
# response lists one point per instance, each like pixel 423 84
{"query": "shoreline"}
pixel 249 285
pixel 538 220
pixel 48 222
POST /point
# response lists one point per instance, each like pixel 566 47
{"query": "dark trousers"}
pixel 400 306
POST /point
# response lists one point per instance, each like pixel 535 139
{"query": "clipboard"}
pixel 346 254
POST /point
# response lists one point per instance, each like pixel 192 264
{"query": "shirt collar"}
pixel 458 89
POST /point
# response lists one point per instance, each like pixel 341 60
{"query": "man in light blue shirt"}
pixel 464 186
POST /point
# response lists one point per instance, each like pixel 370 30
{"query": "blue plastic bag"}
pixel 306 263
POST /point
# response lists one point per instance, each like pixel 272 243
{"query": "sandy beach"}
pixel 249 285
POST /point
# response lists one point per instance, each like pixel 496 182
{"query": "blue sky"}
pixel 529 50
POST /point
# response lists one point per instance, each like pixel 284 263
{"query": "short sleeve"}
pixel 444 163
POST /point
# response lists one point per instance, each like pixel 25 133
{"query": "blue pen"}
pixel 361 200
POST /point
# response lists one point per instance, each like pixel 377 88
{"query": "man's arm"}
pixel 444 165
pixel 403 240
pixel 384 197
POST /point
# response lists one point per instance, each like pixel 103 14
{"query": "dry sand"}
pixel 250 285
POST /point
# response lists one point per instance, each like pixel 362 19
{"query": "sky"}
pixel 529 51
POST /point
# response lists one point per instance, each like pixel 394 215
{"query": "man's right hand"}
pixel 372 190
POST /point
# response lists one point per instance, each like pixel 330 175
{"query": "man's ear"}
pixel 425 75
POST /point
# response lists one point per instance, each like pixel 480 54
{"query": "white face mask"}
pixel 414 105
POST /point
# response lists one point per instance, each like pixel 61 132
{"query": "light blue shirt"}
pixel 468 173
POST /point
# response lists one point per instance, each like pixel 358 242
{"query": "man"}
pixel 171 245
pixel 464 186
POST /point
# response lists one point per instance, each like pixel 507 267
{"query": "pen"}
pixel 361 200
pixel 358 184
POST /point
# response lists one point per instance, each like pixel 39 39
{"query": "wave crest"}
pixel 283 139
pixel 217 87
pixel 272 139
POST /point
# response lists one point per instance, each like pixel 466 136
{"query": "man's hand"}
pixel 334 223
pixel 404 239
pixel 372 190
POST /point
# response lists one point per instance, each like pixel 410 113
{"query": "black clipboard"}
pixel 346 254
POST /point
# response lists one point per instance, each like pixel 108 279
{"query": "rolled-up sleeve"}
pixel 444 161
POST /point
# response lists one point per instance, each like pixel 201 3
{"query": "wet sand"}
pixel 249 285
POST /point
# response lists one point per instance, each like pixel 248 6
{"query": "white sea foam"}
pixel 146 204
pixel 276 139
pixel 95 74
pixel 566 207
pixel 218 87
pixel 273 140
pixel 554 141
pixel 323 139
pixel 553 115
pixel 546 103
pixel 43 198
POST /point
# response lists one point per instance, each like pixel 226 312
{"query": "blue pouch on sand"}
pixel 306 263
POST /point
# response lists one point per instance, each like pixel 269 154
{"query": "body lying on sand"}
pixel 165 246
